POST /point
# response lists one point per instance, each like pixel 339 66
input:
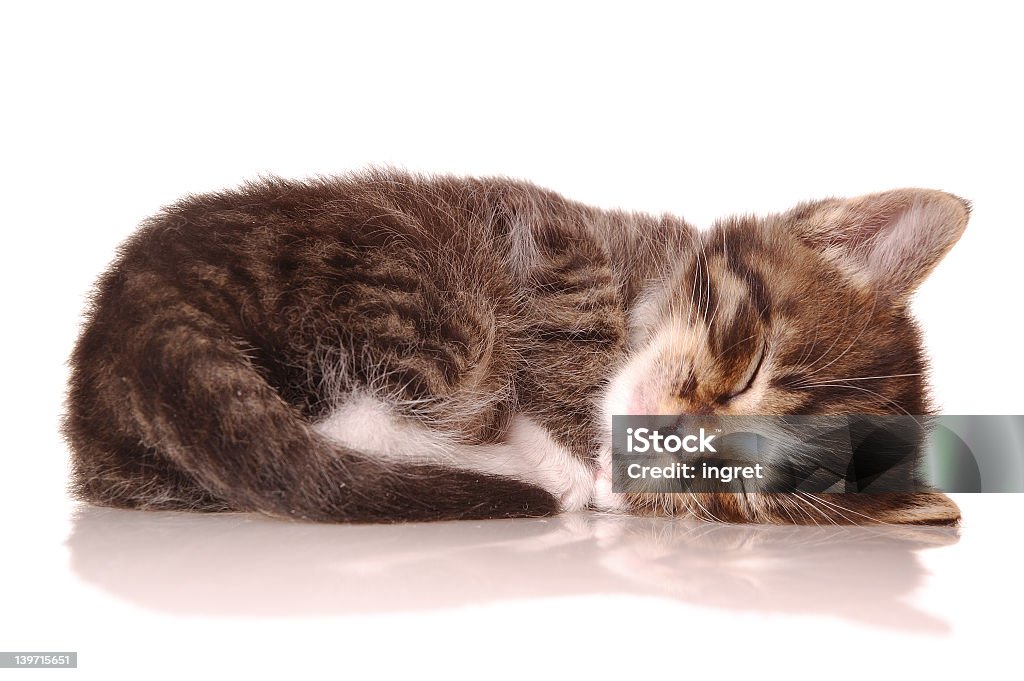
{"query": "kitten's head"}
pixel 801 313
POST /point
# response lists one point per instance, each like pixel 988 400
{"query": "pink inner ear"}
pixel 860 229
pixel 904 252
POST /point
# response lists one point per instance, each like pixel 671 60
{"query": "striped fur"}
pixel 227 349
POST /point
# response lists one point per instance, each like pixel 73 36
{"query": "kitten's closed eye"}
pixel 747 379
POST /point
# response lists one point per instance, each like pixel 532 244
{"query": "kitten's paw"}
pixel 575 498
pixel 604 498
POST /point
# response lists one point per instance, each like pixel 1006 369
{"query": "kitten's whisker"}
pixel 850 510
pixel 744 340
pixel 846 319
pixel 867 323
pixel 812 498
pixel 871 392
pixel 714 316
pixel 693 293
pixel 800 363
pixel 857 378
pixel 785 509
pixel 827 517
pixel 800 509
pixel 707 280
pixel 708 514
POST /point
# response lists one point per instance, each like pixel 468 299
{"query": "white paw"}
pixel 604 498
pixel 576 498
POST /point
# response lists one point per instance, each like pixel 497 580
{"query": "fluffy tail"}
pixel 174 415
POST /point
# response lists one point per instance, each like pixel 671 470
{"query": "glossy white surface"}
pixel 239 566
pixel 582 593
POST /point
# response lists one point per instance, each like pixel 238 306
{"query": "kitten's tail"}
pixel 178 417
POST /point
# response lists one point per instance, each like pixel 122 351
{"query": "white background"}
pixel 110 111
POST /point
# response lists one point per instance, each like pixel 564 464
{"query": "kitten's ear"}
pixel 894 239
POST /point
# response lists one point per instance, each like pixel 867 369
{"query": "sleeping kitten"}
pixel 385 346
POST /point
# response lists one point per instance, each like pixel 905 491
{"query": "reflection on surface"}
pixel 243 565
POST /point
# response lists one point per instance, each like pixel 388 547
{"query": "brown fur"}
pixel 232 321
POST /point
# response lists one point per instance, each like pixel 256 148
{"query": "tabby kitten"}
pixel 385 346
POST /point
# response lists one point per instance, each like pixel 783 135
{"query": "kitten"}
pixel 384 346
